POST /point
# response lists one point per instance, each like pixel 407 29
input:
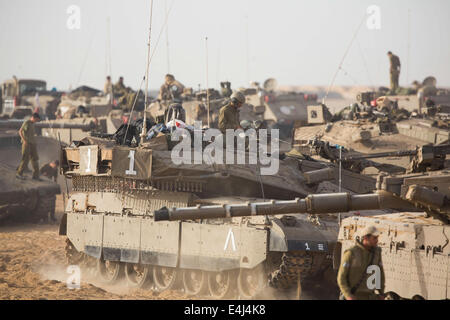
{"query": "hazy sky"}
pixel 298 42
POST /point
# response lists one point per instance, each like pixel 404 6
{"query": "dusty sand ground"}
pixel 33 266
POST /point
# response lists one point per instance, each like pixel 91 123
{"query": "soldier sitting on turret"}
pixel 171 89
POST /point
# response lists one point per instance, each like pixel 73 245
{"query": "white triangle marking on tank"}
pixel 233 243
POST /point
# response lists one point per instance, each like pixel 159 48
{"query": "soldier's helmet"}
pixel 238 97
pixel 370 230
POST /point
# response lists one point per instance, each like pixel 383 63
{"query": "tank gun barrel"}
pixel 381 155
pixel 313 204
pixel 436 150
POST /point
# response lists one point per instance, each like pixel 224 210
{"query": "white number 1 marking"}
pixel 131 171
pixel 88 167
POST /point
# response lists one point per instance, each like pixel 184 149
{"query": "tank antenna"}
pixel 409 46
pixel 144 125
pixel 207 81
pixel 167 37
pixel 342 60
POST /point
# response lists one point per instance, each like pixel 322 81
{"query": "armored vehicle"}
pixel 414 99
pixel 110 227
pixel 367 136
pixel 414 241
pixel 25 201
pixel 21 97
pixel 280 110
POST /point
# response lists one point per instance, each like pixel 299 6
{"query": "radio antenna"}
pixel 144 125
pixel 207 81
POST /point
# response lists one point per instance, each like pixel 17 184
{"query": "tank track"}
pixel 306 264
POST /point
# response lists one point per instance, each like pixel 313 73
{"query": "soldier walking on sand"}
pixel 354 272
pixel 29 150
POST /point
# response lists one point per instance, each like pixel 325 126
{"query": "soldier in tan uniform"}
pixel 119 88
pixel 29 151
pixel 353 276
pixel 229 114
pixel 394 71
pixel 171 89
pixel 108 86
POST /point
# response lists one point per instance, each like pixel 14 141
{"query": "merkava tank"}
pixel 25 201
pixel 110 227
pixel 367 132
pixel 19 98
pixel 414 238
pixel 278 109
pixel 417 98
pixel 61 129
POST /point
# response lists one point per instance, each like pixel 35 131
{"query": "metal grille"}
pixel 121 185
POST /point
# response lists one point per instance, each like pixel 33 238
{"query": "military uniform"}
pixel 228 118
pixel 394 71
pixel 353 271
pixel 119 89
pixel 166 92
pixel 108 87
pixel 49 172
pixel 29 150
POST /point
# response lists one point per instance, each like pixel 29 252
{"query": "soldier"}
pixel 119 88
pixel 394 71
pixel 229 114
pixel 171 89
pixel 226 89
pixel 50 170
pixel 353 271
pixel 29 150
pixel 108 86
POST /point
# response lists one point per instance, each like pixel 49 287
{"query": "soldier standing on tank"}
pixel 353 271
pixel 171 89
pixel 394 71
pixel 108 88
pixel 229 114
pixel 29 150
pixel 119 88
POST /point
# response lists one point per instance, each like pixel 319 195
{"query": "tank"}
pixel 215 247
pixel 25 201
pixel 110 227
pixel 64 129
pixel 413 240
pixel 21 97
pixel 377 134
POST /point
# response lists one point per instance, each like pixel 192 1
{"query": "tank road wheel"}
pixel 138 276
pixel 392 296
pixel 195 282
pixel 220 284
pixel 164 278
pixel 251 282
pixel 110 271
